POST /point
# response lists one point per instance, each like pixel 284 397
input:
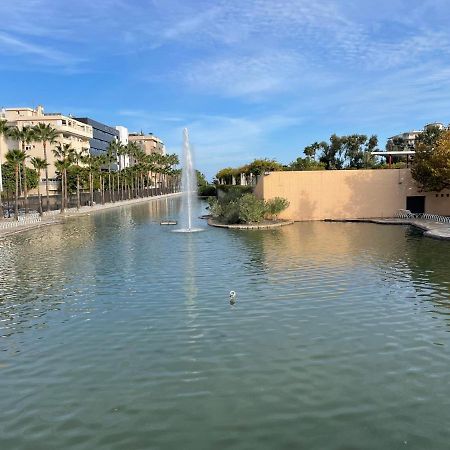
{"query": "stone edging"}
pixel 265 226
pixel 435 230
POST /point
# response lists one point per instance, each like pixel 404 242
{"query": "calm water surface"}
pixel 117 334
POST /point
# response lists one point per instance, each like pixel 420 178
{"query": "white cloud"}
pixel 13 46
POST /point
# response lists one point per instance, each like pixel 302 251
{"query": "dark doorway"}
pixel 416 204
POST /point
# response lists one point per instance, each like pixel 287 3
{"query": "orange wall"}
pixel 346 194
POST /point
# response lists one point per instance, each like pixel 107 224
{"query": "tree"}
pixel 311 150
pixel 16 158
pixel 65 153
pixel 26 135
pixel 429 136
pixel 77 159
pixel 260 166
pixel 39 165
pixel 307 163
pixel 46 134
pixel 4 132
pixel 358 148
pixel 112 158
pixel 332 153
pixel 431 164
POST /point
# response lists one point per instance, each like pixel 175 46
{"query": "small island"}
pixel 241 209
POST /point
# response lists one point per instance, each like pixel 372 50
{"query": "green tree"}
pixel 46 134
pixel 16 158
pixel 24 136
pixel 4 132
pixel 431 164
pixel 275 206
pixel 65 153
pixel 39 165
pixel 332 153
pixel 307 163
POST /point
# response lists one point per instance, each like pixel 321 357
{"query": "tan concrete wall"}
pixel 347 194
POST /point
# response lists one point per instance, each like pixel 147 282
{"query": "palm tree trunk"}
pixel 39 194
pixel 16 200
pixel 91 188
pixel 113 190
pixel 62 192
pixel 78 191
pixel 46 175
pixel 109 182
pixel 25 189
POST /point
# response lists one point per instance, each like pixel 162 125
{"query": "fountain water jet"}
pixel 188 187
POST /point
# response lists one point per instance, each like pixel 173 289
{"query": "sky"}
pixel 249 78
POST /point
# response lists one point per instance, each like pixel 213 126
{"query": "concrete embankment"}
pixel 55 217
pixel 430 228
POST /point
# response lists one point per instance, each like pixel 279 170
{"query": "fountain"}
pixel 188 187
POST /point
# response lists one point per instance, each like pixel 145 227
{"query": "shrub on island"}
pixel 244 208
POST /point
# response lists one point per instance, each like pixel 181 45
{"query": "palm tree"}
pixel 46 134
pixel 111 158
pixel 39 164
pixel 16 158
pixel 25 136
pixel 90 160
pixel 4 132
pixel 77 158
pixel 66 154
pixel 122 152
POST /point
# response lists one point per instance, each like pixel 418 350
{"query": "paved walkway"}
pixel 55 217
pixel 431 228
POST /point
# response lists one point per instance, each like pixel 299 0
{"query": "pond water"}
pixel 117 333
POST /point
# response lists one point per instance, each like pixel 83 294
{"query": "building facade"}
pixel 407 140
pixel 148 142
pixel 102 136
pixel 70 131
pixel 123 160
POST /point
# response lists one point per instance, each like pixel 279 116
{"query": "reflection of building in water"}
pixel 323 254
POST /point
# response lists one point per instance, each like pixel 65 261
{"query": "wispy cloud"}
pixel 13 46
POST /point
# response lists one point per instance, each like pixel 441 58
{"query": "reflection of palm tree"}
pixel 16 158
pixel 46 134
pixel 39 164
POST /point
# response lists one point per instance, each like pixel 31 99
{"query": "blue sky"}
pixel 249 78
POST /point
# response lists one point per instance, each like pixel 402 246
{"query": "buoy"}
pixel 232 297
pixel 168 222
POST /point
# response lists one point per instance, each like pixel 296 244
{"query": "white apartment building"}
pixel 70 131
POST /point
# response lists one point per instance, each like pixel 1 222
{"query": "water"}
pixel 188 186
pixel 118 334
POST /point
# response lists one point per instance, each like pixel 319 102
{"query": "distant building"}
pixel 102 136
pixel 148 142
pixel 124 160
pixel 407 141
pixel 70 131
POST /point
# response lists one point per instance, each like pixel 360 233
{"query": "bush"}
pixel 207 190
pixel 235 208
pixel 251 209
pixel 236 188
pixel 275 206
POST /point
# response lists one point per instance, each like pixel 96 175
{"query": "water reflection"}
pixel 111 323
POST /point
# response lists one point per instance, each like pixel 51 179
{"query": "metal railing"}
pixel 406 214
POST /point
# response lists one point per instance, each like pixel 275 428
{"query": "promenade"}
pixel 9 227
